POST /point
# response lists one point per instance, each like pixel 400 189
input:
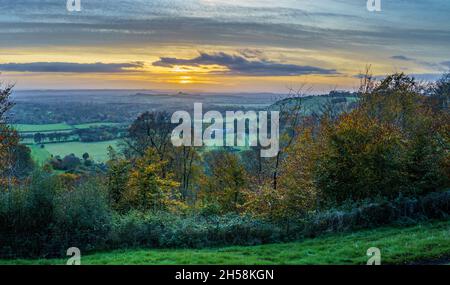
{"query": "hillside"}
pixel 424 243
pixel 339 101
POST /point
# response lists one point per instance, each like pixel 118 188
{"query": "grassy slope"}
pixel 98 151
pixel 39 155
pixel 397 245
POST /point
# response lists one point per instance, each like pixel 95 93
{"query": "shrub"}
pixel 168 230
pixel 26 215
pixel 43 219
pixel 403 210
pixel 82 217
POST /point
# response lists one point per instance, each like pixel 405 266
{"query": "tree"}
pixel 226 183
pixel 147 189
pixel 441 92
pixel 361 158
pixel 5 102
pixel 117 179
pixel 9 139
pixel 187 166
pixel 393 143
pixel 151 130
pixel 290 118
pixel 70 162
pixel 38 138
pixel 23 162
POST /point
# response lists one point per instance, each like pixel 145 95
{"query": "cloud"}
pixel 432 65
pixel 252 53
pixel 68 67
pixel 239 65
pixel 446 63
pixel 427 76
pixel 416 76
pixel 402 57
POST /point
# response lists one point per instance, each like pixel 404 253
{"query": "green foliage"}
pixel 167 230
pixel 374 165
pixel 226 183
pixel 393 143
pixel 441 92
pixel 42 218
pixel 117 179
pixel 82 217
pixel 361 159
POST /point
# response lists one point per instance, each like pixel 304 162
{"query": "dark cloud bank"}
pixel 240 65
pixel 67 67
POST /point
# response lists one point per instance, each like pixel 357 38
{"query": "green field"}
pixel 39 155
pixel 97 150
pixel 425 243
pixel 62 127
pixel 27 128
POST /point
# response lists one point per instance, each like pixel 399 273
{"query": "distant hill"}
pixel 315 104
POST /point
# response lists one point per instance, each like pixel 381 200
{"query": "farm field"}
pixel 97 150
pixel 424 243
pixel 29 128
pixel 39 154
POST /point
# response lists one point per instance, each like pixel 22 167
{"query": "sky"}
pixel 219 45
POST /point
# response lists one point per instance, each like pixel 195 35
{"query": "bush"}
pixel 195 231
pixel 26 215
pixel 82 217
pixel 402 211
pixel 168 230
pixel 43 219
pixel 392 144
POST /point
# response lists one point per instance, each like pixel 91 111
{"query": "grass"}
pixel 28 128
pixel 424 242
pixel 62 127
pixel 39 155
pixel 97 150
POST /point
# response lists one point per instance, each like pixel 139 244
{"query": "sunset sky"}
pixel 219 45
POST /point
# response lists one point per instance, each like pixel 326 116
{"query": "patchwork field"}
pixel 422 244
pixel 28 128
pixel 39 154
pixel 97 150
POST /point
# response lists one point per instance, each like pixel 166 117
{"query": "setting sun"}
pixel 185 79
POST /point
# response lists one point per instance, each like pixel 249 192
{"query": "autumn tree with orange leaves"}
pixel 9 139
